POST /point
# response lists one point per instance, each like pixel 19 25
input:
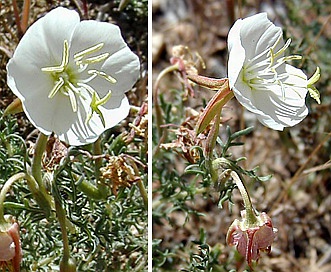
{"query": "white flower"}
pixel 72 75
pixel 259 76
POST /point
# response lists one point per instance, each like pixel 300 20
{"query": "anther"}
pixel 96 59
pixel 58 85
pixel 78 56
pixel 103 75
pixel 72 98
pixel 64 62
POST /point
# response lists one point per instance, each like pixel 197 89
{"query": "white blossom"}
pixel 259 76
pixel 72 75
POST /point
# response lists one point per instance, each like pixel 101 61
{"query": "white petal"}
pixel 42 44
pixel 244 95
pixel 234 34
pixel 236 53
pixel 258 33
pixel 90 33
pixel 269 122
pixel 272 108
pixel 81 133
pixel 298 80
pixel 122 64
pixel 40 47
pixel 27 81
pixel 278 112
pixel 50 114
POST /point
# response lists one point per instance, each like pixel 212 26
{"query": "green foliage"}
pixel 176 191
pixel 105 235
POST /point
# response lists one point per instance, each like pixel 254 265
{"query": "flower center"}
pixel 67 81
pixel 263 69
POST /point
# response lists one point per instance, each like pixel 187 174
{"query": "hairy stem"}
pixel 102 188
pixel 39 149
pixel 143 192
pixel 33 186
pixel 157 108
pixel 62 221
pixel 5 190
pixel 42 196
pixel 250 213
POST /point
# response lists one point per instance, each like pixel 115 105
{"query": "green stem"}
pixel 33 186
pixel 101 187
pixel 62 221
pixel 5 190
pixel 39 149
pixel 211 140
pixel 42 196
pixel 251 218
pixel 98 161
pixel 157 108
pixel 90 190
pixel 143 192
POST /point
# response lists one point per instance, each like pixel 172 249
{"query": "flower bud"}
pixel 14 107
pixel 251 238
pixel 68 265
pixel 10 247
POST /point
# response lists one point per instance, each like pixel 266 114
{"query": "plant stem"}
pixel 143 192
pixel 102 188
pixel 25 15
pixel 62 221
pixel 42 196
pixel 211 140
pixel 251 218
pixel 4 191
pixel 98 161
pixel 33 186
pixel 157 108
pixel 90 190
pixel 39 149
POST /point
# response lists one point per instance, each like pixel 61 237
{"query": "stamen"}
pixel 277 42
pixel 65 81
pixel 72 97
pixel 86 87
pixel 96 59
pixel 64 62
pixel 282 50
pixel 313 92
pixel 103 75
pixel 288 58
pixel 87 80
pixel 65 56
pixel 58 85
pixel 315 77
pixel 78 56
